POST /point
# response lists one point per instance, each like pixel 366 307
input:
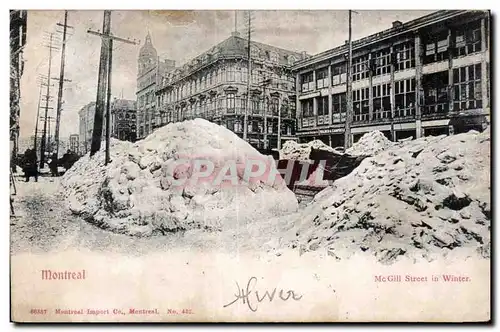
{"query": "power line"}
pixel 47 96
pixel 61 80
pixel 104 83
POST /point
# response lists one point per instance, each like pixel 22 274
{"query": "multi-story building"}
pixel 86 125
pixel 150 71
pixel 123 120
pixel 213 86
pixel 74 144
pixel 18 24
pixel 424 77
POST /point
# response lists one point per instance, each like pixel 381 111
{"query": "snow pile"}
pixel 134 194
pixel 370 144
pixel 424 198
pixel 295 151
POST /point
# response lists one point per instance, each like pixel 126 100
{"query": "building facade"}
pixel 150 71
pixel 124 120
pixel 213 86
pixel 18 25
pixel 74 143
pixel 425 77
pixel 86 127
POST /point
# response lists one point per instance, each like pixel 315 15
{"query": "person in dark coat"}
pixel 30 165
pixel 53 165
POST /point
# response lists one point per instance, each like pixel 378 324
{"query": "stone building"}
pixel 424 77
pixel 150 70
pixel 213 86
pixel 86 127
pixel 124 120
pixel 74 143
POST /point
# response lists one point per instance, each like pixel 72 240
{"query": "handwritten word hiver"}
pixel 252 297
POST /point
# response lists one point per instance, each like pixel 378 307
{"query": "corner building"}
pixel 213 86
pixel 429 76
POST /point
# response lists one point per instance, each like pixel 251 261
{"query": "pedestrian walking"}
pixel 30 165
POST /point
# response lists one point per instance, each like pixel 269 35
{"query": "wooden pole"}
pixel 349 111
pixel 249 78
pixel 101 86
pixel 61 82
pixel 108 102
pixel 44 136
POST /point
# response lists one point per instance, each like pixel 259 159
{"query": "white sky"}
pixel 177 35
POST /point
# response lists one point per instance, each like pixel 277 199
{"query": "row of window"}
pixel 258 127
pixel 464 41
pixel 125 116
pixel 466 94
pixel 232 104
pixel 465 91
pixel 228 74
pixel 437 47
pixel 379 64
pixel 146 99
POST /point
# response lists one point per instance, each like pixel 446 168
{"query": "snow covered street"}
pixel 43 223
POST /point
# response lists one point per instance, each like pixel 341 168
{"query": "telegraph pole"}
pixel 103 79
pixel 101 85
pixel 108 112
pixel 279 124
pixel 349 115
pixel 61 80
pixel 35 145
pixel 392 96
pixel 249 78
pixel 47 96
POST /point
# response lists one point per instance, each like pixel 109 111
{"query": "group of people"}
pixel 29 163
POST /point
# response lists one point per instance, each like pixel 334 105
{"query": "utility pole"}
pixel 61 80
pixel 108 112
pixel 266 108
pixel 103 79
pixel 349 115
pixel 392 96
pixel 249 78
pixel 101 85
pixel 279 124
pixel 47 96
pixel 35 145
pixel 265 83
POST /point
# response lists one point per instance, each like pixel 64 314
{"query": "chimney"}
pixel 235 34
pixel 397 24
pixel 303 54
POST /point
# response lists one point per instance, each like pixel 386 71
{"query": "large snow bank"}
pixel 370 144
pixel 295 151
pixel 134 194
pixel 423 198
